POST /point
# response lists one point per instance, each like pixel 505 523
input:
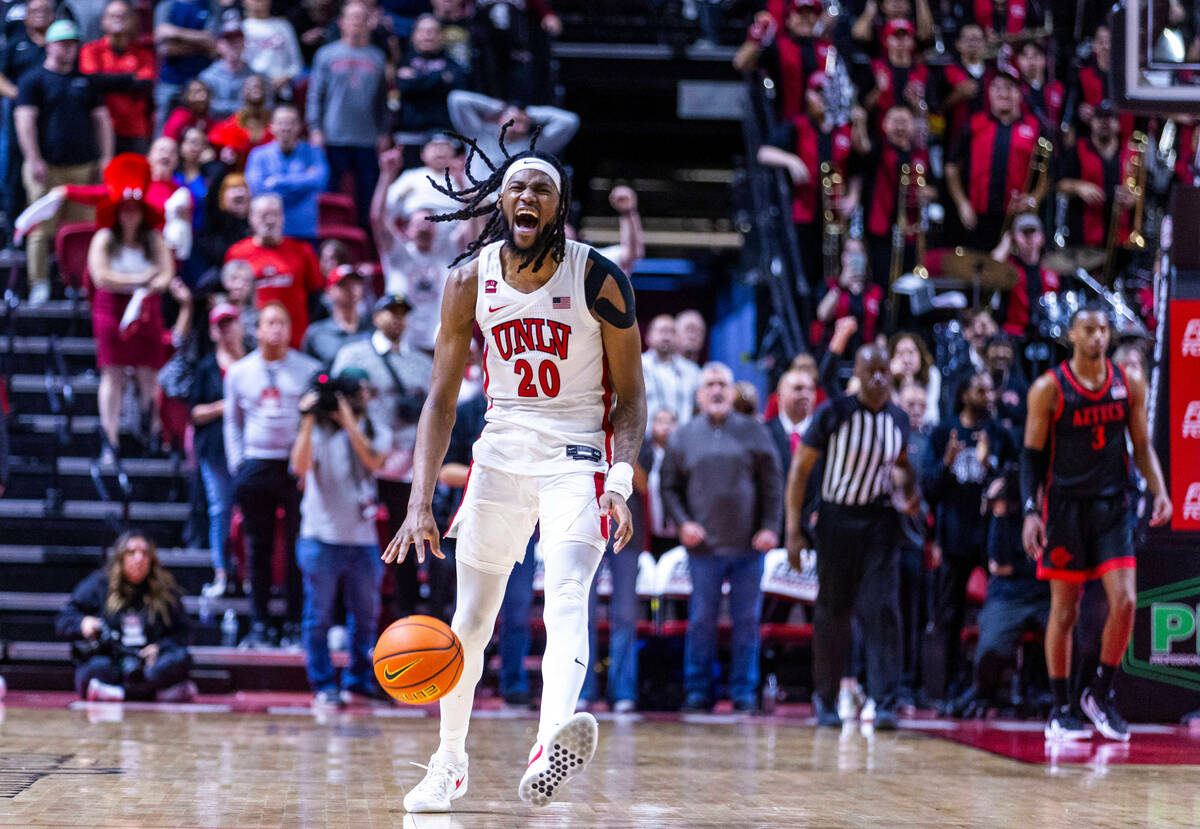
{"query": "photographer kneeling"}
pixel 129 628
pixel 336 455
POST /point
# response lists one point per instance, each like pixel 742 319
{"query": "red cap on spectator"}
pixel 808 4
pixel 222 311
pixel 341 273
pixel 1008 74
pixel 896 26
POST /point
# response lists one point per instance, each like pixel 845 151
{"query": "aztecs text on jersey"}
pixel 1089 455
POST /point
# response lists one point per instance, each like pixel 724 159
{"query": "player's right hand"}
pixel 1162 510
pixel 1033 536
pixel 418 529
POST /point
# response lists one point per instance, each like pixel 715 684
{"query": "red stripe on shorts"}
pixel 603 518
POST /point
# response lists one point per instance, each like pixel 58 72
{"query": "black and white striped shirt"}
pixel 861 448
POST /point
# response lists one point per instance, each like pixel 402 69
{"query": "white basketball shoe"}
pixel 564 755
pixel 445 781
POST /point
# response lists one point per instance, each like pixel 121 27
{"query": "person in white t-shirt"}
pixel 411 189
pixel 271 46
pixel 415 260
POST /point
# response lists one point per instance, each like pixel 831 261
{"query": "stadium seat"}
pixel 673 584
pixel 781 581
pixel 70 250
pixel 354 238
pixel 336 209
pixel 977 586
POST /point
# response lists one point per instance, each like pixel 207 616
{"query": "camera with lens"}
pixel 108 642
pixel 328 388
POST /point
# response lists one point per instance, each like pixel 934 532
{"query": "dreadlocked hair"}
pixel 475 200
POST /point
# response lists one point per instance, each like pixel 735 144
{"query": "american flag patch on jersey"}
pixel 561 303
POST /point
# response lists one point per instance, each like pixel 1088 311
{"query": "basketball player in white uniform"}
pixel 566 415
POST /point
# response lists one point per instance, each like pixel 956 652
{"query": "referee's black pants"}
pixel 857 560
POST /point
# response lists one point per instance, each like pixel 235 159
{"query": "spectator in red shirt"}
pixel 1007 17
pixel 883 170
pixel 253 119
pixel 985 192
pixel 195 112
pixel 802 145
pixel 963 80
pixel 851 295
pixel 785 44
pixel 285 270
pixel 898 78
pixel 1043 97
pixel 1022 248
pixel 118 53
pixel 868 27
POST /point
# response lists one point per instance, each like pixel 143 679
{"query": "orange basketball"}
pixel 418 659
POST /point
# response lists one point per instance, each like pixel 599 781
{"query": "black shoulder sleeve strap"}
pixel 600 270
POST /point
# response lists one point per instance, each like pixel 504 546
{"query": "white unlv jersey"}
pixel 549 394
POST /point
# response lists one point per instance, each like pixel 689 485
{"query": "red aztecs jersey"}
pixel 545 374
pixel 1088 454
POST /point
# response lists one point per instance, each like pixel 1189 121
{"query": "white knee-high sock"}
pixel 478 601
pixel 569 571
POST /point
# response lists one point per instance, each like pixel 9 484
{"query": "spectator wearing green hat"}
pixel 337 453
pixel 66 136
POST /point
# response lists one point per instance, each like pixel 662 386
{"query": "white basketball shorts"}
pixel 500 509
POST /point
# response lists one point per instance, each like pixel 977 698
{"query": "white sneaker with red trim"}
pixel 445 781
pixel 562 757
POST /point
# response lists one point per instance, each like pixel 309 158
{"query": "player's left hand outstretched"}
pixel 419 528
pixel 1162 510
pixel 614 506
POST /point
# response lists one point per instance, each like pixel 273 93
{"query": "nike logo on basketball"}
pixel 392 677
pixel 494 308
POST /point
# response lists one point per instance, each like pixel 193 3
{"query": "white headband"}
pixel 532 163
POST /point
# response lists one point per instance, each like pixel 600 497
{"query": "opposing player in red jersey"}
pixel 1075 446
pixel 565 419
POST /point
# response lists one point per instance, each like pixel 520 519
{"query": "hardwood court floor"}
pixel 98 767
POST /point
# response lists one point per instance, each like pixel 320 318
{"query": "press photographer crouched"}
pixel 128 628
pixel 336 456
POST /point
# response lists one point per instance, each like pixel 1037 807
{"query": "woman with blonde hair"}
pixel 130 626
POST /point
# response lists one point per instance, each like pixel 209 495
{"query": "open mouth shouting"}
pixel 526 224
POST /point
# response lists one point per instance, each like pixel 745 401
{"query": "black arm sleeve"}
pixel 1034 463
pixel 600 270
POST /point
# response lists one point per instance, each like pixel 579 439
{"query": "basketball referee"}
pixel 863 438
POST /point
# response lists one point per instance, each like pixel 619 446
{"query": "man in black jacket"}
pixel 130 620
pixel 963 454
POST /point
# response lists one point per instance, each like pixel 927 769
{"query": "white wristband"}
pixel 620 480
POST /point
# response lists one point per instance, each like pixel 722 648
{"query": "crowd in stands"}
pixel 978 143
pixel 231 278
